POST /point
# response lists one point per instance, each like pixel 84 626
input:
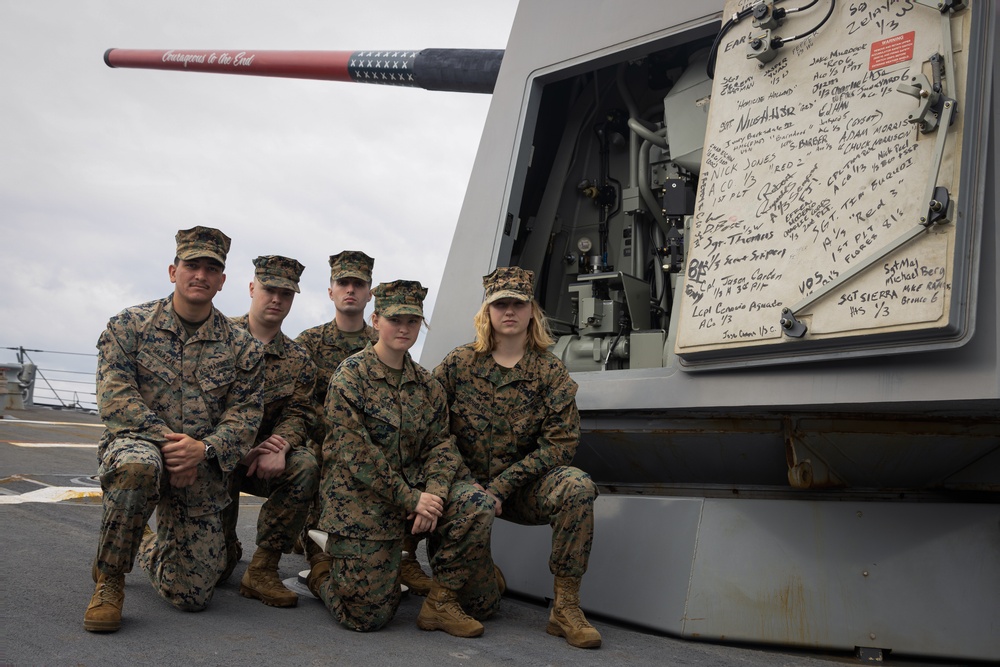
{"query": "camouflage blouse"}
pixel 153 380
pixel 289 378
pixel 384 446
pixel 511 425
pixel 328 346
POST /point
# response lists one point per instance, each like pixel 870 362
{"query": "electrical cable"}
pixel 736 18
pixel 784 40
pixel 801 9
pixel 777 42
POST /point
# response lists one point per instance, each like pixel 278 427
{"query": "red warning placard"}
pixel 891 50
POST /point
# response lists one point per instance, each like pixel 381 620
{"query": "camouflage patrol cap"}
pixel 278 271
pixel 202 242
pixel 509 282
pixel 400 297
pixel 351 264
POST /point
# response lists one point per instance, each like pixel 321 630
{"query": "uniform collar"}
pixel 377 369
pixel 486 367
pixel 212 329
pixel 275 348
pixel 333 335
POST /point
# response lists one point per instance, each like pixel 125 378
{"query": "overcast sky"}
pixel 100 167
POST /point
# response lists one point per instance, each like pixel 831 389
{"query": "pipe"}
pixel 633 112
pixel 655 209
pixel 653 137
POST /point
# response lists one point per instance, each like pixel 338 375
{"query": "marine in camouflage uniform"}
pixel 280 467
pixel 330 343
pixel 389 459
pixel 517 429
pixel 181 402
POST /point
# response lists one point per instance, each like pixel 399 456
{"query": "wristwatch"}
pixel 209 452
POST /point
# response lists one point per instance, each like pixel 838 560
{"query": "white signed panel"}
pixel 812 169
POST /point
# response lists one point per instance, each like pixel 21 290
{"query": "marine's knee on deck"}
pixel 366 618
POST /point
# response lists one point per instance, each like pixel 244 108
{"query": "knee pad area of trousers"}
pixel 581 488
pixel 136 476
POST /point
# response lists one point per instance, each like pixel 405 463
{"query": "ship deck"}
pixel 50 515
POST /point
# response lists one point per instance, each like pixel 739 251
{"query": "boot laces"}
pixel 449 604
pixel 110 590
pixel 570 610
pixel 575 616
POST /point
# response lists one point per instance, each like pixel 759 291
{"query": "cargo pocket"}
pixel 347 569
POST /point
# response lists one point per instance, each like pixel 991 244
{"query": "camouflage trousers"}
pixel 309 547
pixel 564 499
pixel 362 591
pixel 289 496
pixel 186 554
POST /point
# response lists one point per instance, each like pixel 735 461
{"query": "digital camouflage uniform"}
pixel 328 346
pixel 289 377
pixel 517 431
pixel 152 379
pixel 385 445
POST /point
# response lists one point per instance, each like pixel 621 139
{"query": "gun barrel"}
pixel 454 70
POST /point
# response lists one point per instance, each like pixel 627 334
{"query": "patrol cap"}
pixel 400 297
pixel 278 271
pixel 351 264
pixel 202 242
pixel 509 282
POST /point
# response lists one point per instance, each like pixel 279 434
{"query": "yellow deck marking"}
pixel 50 444
pixel 52 494
pixel 14 420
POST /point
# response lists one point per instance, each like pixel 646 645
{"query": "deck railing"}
pixel 62 379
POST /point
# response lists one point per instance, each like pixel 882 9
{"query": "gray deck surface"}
pixel 45 578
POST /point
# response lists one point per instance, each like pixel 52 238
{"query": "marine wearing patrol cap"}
pixel 509 282
pixel 351 264
pixel 278 271
pixel 202 242
pixel 400 297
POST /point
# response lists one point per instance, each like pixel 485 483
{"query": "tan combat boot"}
pixel 567 619
pixel 261 581
pixel 104 613
pixel 319 569
pixel 234 553
pixel 410 572
pixel 441 611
